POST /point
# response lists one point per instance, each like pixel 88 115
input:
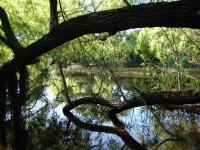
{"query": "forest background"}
pixel 45 45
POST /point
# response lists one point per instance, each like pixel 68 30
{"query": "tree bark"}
pixel 53 14
pixel 177 98
pixel 10 39
pixel 2 111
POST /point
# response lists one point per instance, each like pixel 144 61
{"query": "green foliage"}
pixel 147 53
pixel 163 52
pixel 28 25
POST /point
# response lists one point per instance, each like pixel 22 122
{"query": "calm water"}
pixel 149 126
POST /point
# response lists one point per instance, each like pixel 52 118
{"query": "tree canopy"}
pixel 45 45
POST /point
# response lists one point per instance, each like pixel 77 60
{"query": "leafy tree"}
pixel 36 35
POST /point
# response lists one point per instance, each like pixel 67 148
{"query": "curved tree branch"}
pixel 178 98
pixel 119 106
pixel 165 14
pixel 11 41
pixel 92 100
pixel 170 139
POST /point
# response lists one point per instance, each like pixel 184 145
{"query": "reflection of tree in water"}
pixel 57 133
pixel 24 77
pixel 179 124
pixel 94 113
pixel 90 112
pixel 140 124
pixel 161 128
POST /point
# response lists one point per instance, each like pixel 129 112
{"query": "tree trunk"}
pixel 2 110
pixel 53 14
pixel 12 91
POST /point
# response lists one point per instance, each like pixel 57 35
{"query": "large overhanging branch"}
pixel 165 14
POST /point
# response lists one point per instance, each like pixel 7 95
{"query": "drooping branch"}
pixel 165 14
pixel 10 39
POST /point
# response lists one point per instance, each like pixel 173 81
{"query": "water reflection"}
pixel 157 124
pixel 144 128
pixel 149 126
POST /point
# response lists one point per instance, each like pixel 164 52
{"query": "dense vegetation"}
pixel 60 54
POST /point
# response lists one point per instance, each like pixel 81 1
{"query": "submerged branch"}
pixel 184 97
pixel 168 98
pixel 120 131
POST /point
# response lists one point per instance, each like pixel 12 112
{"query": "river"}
pixel 150 126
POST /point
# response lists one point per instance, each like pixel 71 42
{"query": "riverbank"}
pixel 78 69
